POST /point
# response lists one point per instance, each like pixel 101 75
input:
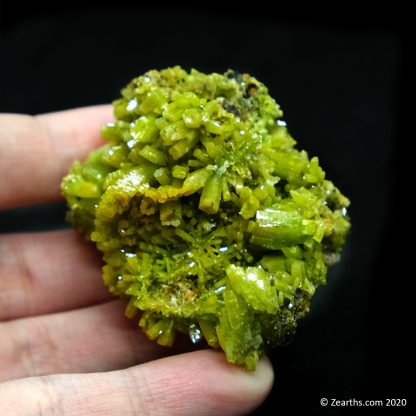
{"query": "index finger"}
pixel 36 151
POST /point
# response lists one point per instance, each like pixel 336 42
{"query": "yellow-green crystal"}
pixel 210 221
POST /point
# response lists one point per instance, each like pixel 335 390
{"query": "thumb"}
pixel 196 383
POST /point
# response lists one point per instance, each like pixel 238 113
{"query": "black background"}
pixel 340 81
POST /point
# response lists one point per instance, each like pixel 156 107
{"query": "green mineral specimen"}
pixel 210 221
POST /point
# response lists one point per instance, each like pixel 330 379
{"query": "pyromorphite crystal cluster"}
pixel 211 223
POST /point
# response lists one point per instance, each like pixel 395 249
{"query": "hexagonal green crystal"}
pixel 210 221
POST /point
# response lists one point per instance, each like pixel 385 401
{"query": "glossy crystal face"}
pixel 210 221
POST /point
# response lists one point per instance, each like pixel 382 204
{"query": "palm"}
pixel 57 318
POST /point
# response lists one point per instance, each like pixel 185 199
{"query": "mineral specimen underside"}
pixel 210 221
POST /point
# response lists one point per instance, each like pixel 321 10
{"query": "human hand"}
pixel 65 347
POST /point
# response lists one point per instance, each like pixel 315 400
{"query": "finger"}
pixel 98 338
pixel 36 152
pixel 48 272
pixel 198 383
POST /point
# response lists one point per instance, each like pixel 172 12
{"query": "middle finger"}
pixel 48 272
pixel 97 338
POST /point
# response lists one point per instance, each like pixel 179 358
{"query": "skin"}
pixel 65 346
